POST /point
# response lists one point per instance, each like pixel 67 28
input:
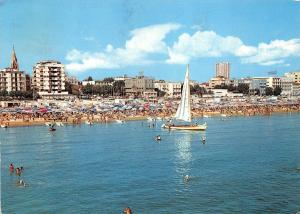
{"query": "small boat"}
pixel 48 124
pixel 120 121
pixel 183 112
pixel 158 118
pixel 150 119
pixel 223 115
pixel 4 126
pixel 206 116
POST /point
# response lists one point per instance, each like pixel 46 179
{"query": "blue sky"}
pixel 159 37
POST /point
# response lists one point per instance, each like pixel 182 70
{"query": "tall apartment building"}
pixel 223 70
pixel 49 79
pixel 12 79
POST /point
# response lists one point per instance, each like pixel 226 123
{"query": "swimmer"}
pixel 21 183
pixel 127 210
pixel 11 168
pixel 203 139
pixel 186 178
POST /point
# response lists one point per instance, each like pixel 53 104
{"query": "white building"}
pixel 121 78
pixel 88 82
pixel 259 83
pixel 49 79
pixel 172 89
pixel 286 86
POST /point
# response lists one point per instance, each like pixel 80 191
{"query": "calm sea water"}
pixel 248 165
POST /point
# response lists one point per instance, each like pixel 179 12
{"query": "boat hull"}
pixel 188 127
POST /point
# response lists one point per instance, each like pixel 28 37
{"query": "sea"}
pixel 246 165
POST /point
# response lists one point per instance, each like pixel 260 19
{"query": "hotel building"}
pixel 49 79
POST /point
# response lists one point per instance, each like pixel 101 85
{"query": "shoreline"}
pixel 42 122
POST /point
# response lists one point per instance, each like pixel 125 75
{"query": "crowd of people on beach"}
pixel 38 118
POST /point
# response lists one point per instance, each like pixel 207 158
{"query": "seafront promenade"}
pixel 13 117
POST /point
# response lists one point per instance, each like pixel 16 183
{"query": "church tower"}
pixel 14 61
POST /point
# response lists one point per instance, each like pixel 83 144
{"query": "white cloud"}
pixel 143 42
pixel 206 44
pixel 275 52
pixel 210 44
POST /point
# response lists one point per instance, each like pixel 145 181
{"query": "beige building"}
pixel 295 76
pixel 223 70
pixel 49 79
pixel 172 89
pixel 12 79
pixel 217 81
pixel 138 85
pixel 274 82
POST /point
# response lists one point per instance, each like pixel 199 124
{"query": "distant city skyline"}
pixel 114 38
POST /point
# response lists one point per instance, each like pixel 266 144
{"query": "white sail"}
pixel 184 108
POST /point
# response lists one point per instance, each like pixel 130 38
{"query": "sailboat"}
pixel 184 109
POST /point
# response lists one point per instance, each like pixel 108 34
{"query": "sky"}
pixel 158 37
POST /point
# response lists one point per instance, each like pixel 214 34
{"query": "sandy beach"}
pixel 12 119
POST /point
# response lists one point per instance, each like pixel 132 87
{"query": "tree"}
pixel 269 91
pixel 243 88
pixel 159 92
pixel 118 87
pixel 89 78
pixel 3 93
pixel 108 79
pixel 88 89
pixel 277 91
pixel 197 90
pixel 68 87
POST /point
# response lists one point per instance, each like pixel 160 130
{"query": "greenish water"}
pixel 248 165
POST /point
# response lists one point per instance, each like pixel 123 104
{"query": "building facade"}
pixel 259 83
pixel 138 85
pixel 274 82
pixel 12 79
pixel 286 86
pixel 172 89
pixel 223 70
pixel 295 76
pixel 49 78
pixel 213 82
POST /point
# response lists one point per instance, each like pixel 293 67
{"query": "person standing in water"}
pixel 18 171
pixel 11 168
